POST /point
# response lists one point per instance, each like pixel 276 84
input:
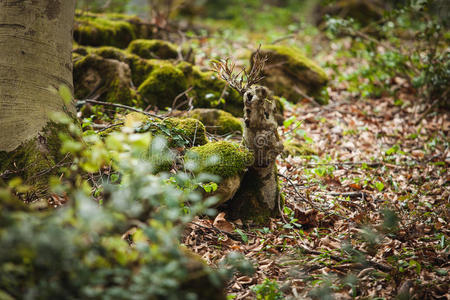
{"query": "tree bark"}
pixel 258 197
pixel 35 59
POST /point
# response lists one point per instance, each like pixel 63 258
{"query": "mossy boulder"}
pixel 209 91
pixel 224 159
pixel 109 29
pixel 163 85
pixel 108 78
pixel 101 30
pixel 363 11
pixel 153 49
pixel 289 73
pixel 217 121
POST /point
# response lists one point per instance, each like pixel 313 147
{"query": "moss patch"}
pixel 287 67
pixel 297 149
pixel 217 121
pixel 103 30
pixel 153 49
pixel 34 160
pixel 162 86
pixel 221 158
pixel 210 92
pixel 179 132
pixel 108 77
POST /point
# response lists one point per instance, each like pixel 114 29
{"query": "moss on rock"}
pixel 217 121
pixel 289 71
pixel 221 158
pixel 179 132
pixel 163 85
pixel 210 91
pixel 153 49
pixel 108 77
pixel 103 30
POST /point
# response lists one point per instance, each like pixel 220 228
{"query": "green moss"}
pixel 110 53
pixel 288 67
pixel 102 30
pixel 34 160
pixel 295 60
pixel 179 132
pixel 297 149
pixel 93 73
pixel 191 129
pixel 153 49
pixel 162 86
pixel 217 121
pixel 221 158
pixel 209 91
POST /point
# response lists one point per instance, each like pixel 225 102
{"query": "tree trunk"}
pixel 258 196
pixel 35 59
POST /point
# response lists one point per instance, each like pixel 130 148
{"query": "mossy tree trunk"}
pixel 35 59
pixel 258 196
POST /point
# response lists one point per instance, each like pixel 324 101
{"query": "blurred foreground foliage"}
pixel 117 236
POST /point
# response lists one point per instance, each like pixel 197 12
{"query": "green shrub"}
pixel 118 236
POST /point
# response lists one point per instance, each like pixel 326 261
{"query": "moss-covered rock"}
pixel 109 78
pixel 289 73
pixel 217 121
pixel 101 30
pixel 363 11
pixel 222 158
pixel 109 29
pixel 163 85
pixel 209 91
pixel 153 49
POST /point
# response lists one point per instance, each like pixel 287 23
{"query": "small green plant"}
pixel 268 290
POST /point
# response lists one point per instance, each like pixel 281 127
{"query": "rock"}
pixel 224 159
pixel 109 29
pixel 291 74
pixel 157 82
pixel 209 91
pixel 164 83
pixel 153 49
pixel 363 11
pixel 217 121
pixel 110 78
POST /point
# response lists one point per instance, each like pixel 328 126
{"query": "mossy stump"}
pixel 258 197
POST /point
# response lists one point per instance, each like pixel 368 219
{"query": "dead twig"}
pixel 96 102
pixel 242 80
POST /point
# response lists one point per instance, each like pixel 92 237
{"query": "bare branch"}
pixel 240 81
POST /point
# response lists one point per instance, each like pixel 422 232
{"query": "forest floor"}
pixel 366 217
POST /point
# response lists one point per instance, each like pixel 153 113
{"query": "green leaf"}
pixel 244 237
pixel 65 93
pixel 380 186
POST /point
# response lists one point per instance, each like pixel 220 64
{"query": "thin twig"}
pixel 96 102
